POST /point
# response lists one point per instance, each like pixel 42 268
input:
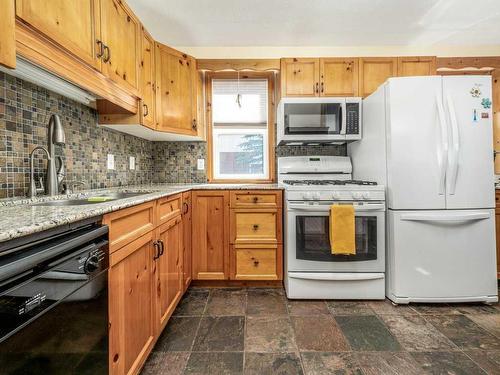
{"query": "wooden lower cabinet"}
pixel 187 209
pixel 131 316
pixel 256 262
pixel 210 226
pixel 169 283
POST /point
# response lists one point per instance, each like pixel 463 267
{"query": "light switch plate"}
pixel 111 161
pixel 131 162
pixel 201 164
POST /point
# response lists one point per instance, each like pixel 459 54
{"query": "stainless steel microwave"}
pixel 319 120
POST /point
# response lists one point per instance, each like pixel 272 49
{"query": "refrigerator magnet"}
pixel 475 92
pixel 486 103
pixel 474 115
pixel 485 115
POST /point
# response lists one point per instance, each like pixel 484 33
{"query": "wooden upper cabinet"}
pixel 339 77
pixel 8 34
pixel 174 91
pixel 300 77
pixel 416 66
pixel 210 235
pixel 75 25
pixel 374 71
pixel 120 33
pixel 147 80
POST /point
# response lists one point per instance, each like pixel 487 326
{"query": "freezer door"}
pixel 447 254
pixel 415 143
pixel 470 172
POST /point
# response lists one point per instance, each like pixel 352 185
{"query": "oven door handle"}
pixel 335 276
pixel 325 208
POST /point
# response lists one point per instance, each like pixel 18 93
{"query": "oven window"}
pixel 313 239
pixel 312 118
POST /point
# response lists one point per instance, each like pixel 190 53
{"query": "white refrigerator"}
pixel 430 141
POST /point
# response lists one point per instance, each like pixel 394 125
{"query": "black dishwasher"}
pixel 54 303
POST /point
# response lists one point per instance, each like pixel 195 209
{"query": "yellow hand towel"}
pixel 342 240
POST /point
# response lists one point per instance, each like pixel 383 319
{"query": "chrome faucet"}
pixel 55 137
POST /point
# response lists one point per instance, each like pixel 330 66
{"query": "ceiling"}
pixel 231 23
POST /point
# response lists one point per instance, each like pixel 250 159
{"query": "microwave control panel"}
pixel 352 126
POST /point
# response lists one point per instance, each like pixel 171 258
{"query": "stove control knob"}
pixel 336 195
pixel 366 195
pixel 356 195
pixel 307 196
pixel 316 196
pixel 91 264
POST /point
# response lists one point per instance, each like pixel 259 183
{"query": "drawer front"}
pixel 257 199
pixel 254 225
pixel 129 224
pixel 255 263
pixel 169 207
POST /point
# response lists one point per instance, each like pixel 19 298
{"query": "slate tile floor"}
pixel 259 331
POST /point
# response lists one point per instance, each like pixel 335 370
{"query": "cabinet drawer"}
pixel 254 225
pixel 168 208
pixel 128 224
pixel 257 199
pixel 252 263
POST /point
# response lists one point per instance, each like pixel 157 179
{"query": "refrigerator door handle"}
pixel 446 217
pixel 444 144
pixel 455 147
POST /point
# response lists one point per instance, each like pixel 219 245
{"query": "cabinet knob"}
pixel 194 126
pixel 255 263
pixel 255 199
pixel 146 110
pixel 255 226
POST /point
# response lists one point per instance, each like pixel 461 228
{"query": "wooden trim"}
pixel 259 65
pixel 48 55
pixel 465 62
pixel 7 34
pixel 271 125
pixel 237 283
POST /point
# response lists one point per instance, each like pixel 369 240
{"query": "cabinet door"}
pixel 186 233
pixel 299 77
pixel 174 91
pixel 147 80
pixel 210 226
pixel 120 32
pixel 169 270
pixel 373 71
pixel 131 314
pixel 416 66
pixel 74 25
pixel 339 77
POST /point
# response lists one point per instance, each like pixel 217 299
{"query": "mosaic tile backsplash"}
pixel 25 110
pixel 24 114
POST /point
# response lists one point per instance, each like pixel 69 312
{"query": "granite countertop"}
pixel 20 218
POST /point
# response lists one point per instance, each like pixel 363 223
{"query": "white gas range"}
pixel 312 184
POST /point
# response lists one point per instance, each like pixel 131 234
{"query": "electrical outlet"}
pixel 131 162
pixel 201 164
pixel 111 161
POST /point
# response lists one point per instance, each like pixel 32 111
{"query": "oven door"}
pixel 308 242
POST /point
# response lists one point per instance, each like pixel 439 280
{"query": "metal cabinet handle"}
pixel 255 263
pixel 156 244
pixel 186 208
pixel 255 226
pixel 146 110
pixel 100 44
pixel 255 199
pixel 107 54
pixel 162 247
pixel 317 88
pixel 322 87
pixel 194 126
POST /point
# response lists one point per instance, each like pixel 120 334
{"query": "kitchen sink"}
pixel 92 199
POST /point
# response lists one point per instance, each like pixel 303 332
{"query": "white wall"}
pixel 324 51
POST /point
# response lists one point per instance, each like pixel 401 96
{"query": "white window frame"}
pixel 264 131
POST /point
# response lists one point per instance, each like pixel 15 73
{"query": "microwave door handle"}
pixel 342 119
